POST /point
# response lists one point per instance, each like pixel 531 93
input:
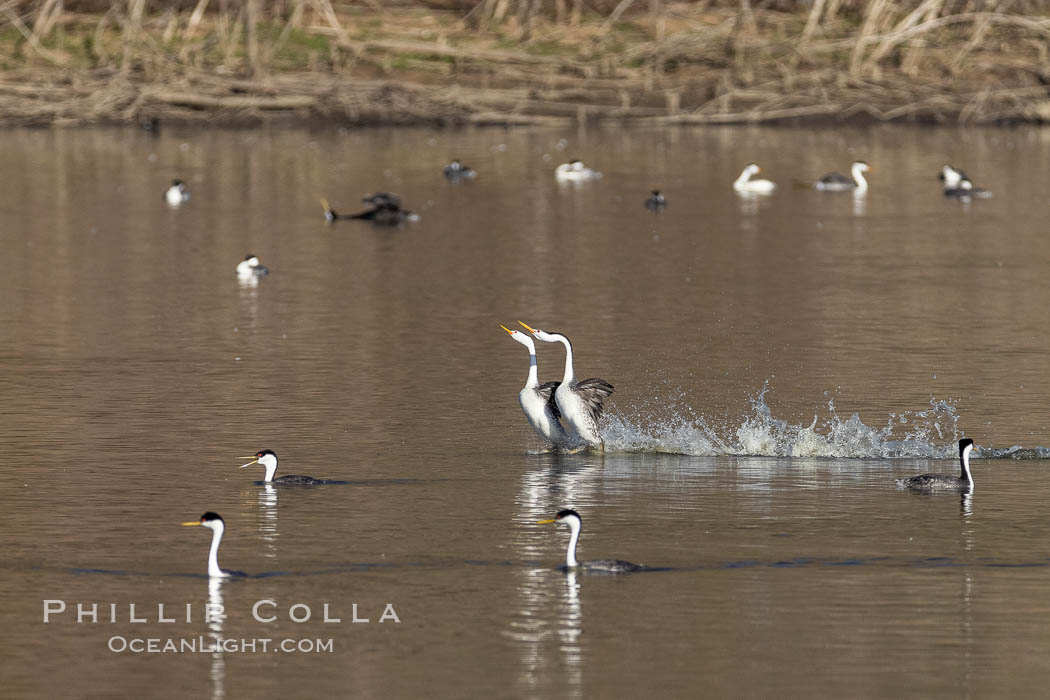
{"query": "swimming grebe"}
pixel 268 460
pixel 746 185
pixel 837 182
pixel 214 522
pixel 944 482
pixel 572 520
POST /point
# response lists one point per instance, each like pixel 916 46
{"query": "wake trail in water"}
pixel 931 433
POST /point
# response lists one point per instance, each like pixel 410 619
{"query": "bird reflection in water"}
pixel 216 618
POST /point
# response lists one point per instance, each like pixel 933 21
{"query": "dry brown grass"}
pixel 514 61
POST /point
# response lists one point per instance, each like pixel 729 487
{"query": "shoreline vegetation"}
pixel 507 62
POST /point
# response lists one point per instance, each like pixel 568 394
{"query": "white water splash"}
pixel 930 433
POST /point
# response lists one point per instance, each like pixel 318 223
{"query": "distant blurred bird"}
pixel 837 182
pixel 456 171
pixel 575 171
pixel 656 201
pixel 958 184
pixel 177 193
pixel 250 267
pixel 745 185
pixel 386 211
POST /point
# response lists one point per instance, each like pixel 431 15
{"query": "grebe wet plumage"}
pixel 574 522
pixel 837 182
pixel 744 184
pixel 944 482
pixel 579 402
pixel 537 400
pixel 215 523
pixel 575 171
pixel 268 460
pixel 386 211
pixel 177 193
pixel 456 171
pixel 656 201
pixel 251 267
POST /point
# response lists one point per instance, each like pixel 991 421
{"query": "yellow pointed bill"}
pixel 249 463
pixel 324 203
pixel 530 329
pixel 192 523
pixel 545 522
pixel 506 329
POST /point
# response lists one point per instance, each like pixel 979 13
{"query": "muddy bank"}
pixel 688 63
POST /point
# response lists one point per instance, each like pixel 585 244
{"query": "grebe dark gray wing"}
pixel 836 178
pixel 594 391
pixel 612 566
pixel 933 482
pixel 546 390
pixel 298 480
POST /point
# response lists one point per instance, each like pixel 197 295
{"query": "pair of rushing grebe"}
pixel 386 211
pixel 832 182
pixel 577 403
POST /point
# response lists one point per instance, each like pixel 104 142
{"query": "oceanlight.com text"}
pixel 211 645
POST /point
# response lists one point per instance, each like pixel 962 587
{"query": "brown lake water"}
pixel 778 362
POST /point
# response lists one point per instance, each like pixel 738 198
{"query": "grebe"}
pixel 958 184
pixel 456 171
pixel 537 400
pixel 268 459
pixel 943 482
pixel 251 267
pixel 656 201
pixel 572 520
pixel 177 193
pixel 837 182
pixel 580 402
pixel 575 171
pixel 214 522
pixel 386 211
pixel 746 185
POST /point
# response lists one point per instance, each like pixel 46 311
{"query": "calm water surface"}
pixel 778 362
